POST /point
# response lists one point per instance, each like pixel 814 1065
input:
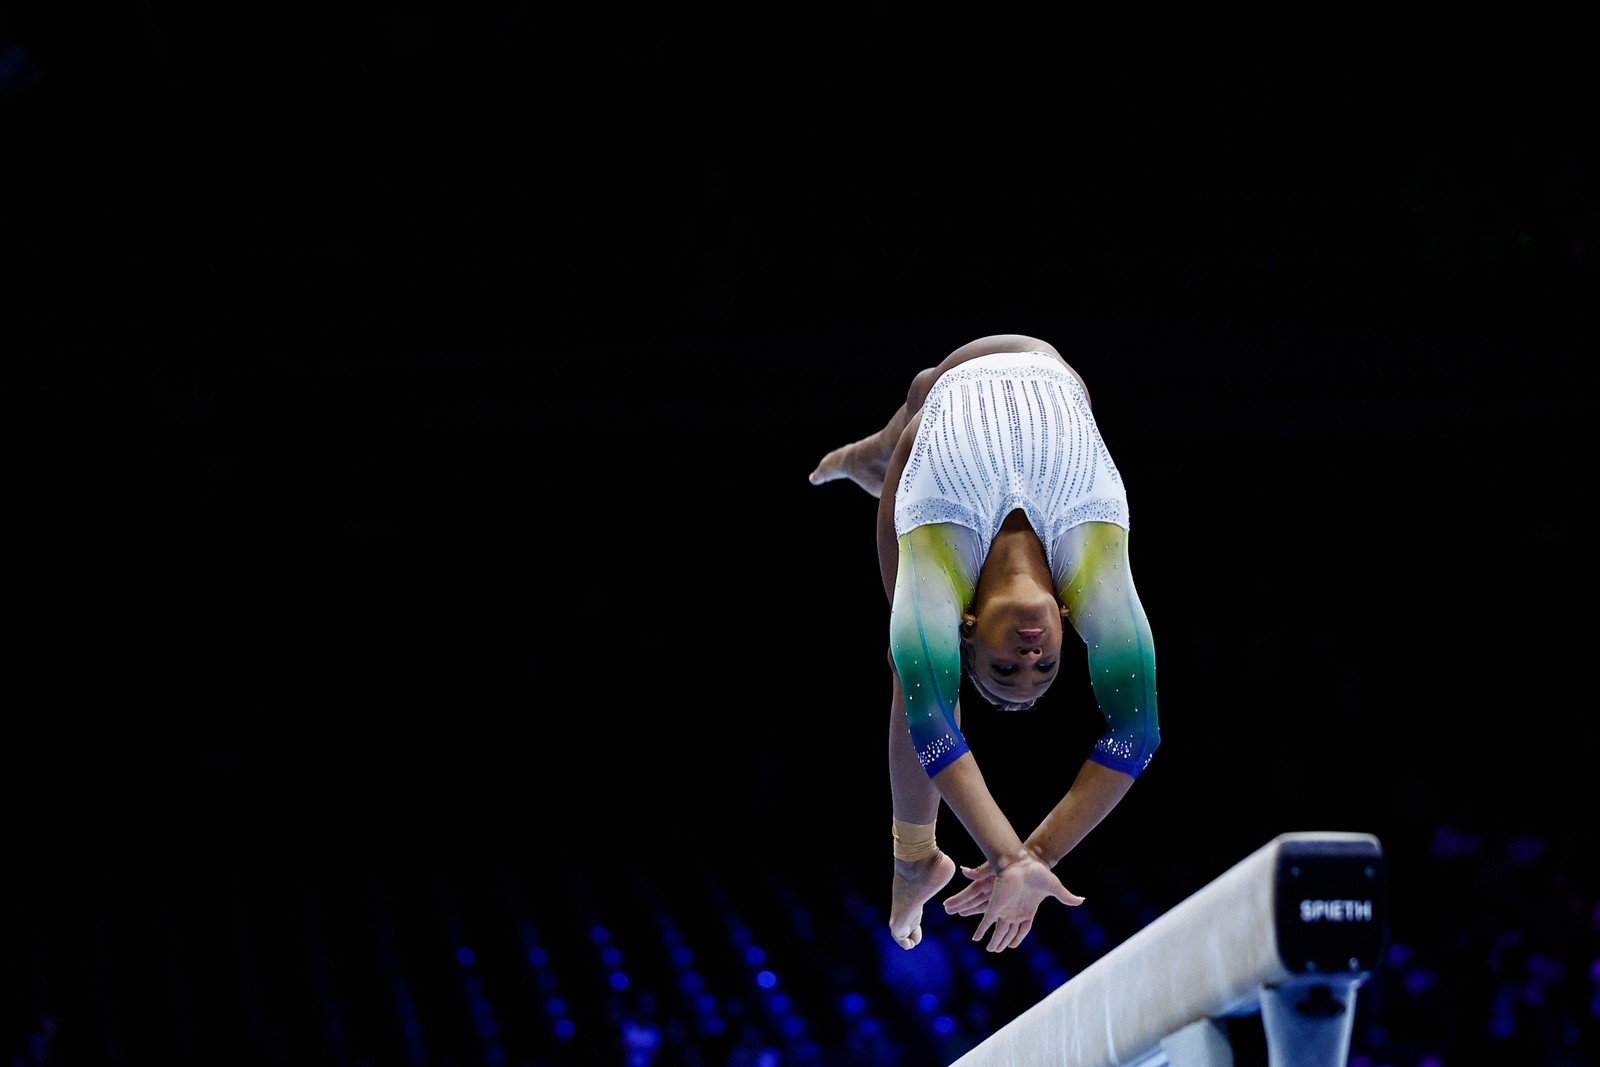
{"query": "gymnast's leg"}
pixel 920 868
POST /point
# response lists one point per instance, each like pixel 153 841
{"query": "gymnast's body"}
pixel 1001 520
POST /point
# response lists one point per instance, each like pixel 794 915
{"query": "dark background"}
pixel 411 418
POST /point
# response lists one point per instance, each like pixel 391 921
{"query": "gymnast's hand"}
pixel 1009 900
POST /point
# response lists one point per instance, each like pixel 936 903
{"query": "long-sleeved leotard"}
pixel 1000 433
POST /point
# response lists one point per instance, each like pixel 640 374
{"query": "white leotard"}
pixel 1007 431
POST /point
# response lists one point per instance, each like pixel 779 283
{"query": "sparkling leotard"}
pixel 1000 433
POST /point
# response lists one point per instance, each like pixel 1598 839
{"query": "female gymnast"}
pixel 1004 519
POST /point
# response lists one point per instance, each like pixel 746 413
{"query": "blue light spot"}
pixel 766 979
pixel 1502 1018
pixel 599 935
pixel 537 956
pixel 1525 849
pixel 464 956
pixel 682 956
pixel 754 954
pixel 556 1005
pixel 618 980
pixel 565 1028
pixel 985 978
pixel 943 1024
pixel 1418 980
pixel 1545 970
pixel 779 1003
pixel 705 1003
pixel 691 982
pixel 927 1002
pixel 640 1036
pixel 611 956
pixel 854 1003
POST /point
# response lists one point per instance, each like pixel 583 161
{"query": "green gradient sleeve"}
pixel 1104 608
pixel 932 586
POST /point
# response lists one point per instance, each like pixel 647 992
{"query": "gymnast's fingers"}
pixel 970 901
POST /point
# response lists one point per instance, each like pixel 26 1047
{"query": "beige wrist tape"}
pixel 913 840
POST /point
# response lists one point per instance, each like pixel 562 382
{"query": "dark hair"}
pixel 970 670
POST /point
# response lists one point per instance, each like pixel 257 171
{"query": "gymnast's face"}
pixel 1015 648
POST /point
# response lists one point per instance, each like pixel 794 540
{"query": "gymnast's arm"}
pixel 1103 605
pixel 927 596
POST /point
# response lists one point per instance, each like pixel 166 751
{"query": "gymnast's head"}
pixel 1010 651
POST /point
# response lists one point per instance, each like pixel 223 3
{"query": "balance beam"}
pixel 1290 931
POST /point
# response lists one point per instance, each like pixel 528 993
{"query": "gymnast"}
pixel 1004 520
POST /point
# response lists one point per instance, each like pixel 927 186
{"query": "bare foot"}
pixel 915 883
pixel 861 462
